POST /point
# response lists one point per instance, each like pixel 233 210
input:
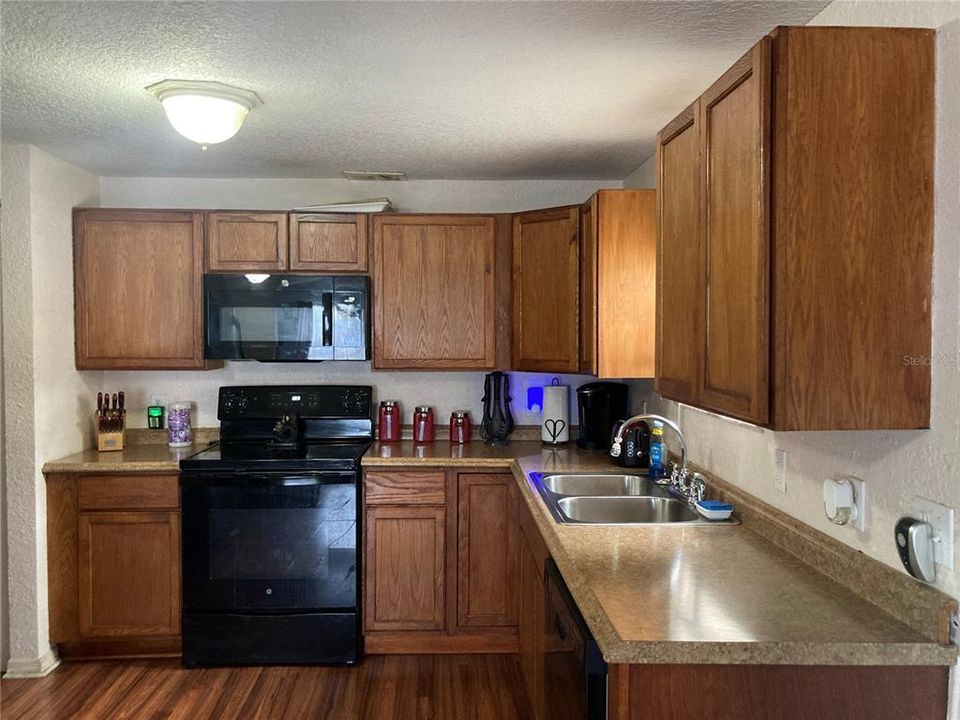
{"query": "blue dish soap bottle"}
pixel 657 451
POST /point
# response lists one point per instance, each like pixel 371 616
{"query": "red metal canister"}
pixel 460 427
pixel 389 421
pixel 423 425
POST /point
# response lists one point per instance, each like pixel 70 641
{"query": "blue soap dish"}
pixel 714 509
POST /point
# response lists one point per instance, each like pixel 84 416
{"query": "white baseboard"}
pixel 31 667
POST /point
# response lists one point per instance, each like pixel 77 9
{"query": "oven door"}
pixel 262 542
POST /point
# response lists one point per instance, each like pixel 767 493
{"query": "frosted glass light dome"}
pixel 205 112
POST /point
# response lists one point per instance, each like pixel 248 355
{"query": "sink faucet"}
pixel 627 424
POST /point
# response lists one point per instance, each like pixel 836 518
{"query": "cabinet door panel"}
pixel 129 578
pixel 404 568
pixel 530 626
pixel 679 259
pixel 486 551
pixel 328 242
pixel 546 299
pixel 854 142
pixel 588 286
pixel 734 141
pixel 434 292
pixel 626 283
pixel 138 284
pixel 242 242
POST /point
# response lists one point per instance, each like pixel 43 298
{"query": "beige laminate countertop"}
pixel 154 457
pixel 655 594
pixel 661 594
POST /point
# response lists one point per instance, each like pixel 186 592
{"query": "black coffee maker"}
pixel 601 405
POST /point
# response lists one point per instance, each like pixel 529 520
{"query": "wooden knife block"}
pixel 110 440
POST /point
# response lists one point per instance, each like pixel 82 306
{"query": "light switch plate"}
pixel 780 481
pixel 941 518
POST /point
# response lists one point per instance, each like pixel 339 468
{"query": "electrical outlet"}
pixel 780 481
pixel 860 498
pixel 941 518
pixel 158 400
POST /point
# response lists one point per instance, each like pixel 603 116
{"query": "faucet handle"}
pixel 615 449
pixel 698 487
pixel 675 474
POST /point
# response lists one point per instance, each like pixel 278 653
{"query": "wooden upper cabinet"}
pixel 734 147
pixel 259 241
pixel 329 242
pixel 618 249
pixel 405 568
pixel 680 282
pixel 129 574
pixel 853 160
pixel 588 285
pixel 788 193
pixel 546 299
pixel 434 296
pixel 138 284
pixel 246 241
pixel 487 561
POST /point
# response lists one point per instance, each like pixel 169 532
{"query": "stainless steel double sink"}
pixel 614 499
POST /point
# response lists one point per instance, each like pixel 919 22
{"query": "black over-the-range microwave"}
pixel 286 317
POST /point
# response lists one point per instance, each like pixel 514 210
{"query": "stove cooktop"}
pixel 325 455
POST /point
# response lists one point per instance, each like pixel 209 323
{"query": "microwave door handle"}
pixel 238 338
pixel 327 319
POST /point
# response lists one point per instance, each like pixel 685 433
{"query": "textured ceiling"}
pixel 479 90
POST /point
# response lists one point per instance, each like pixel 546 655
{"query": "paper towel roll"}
pixel 556 414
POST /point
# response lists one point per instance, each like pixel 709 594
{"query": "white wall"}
pixel 446 391
pixel 897 466
pixel 4 609
pixel 489 196
pixel 644 176
pixel 46 398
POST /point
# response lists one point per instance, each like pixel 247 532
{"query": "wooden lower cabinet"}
pixel 786 692
pixel 114 565
pixel 532 615
pixel 441 561
pixel 405 568
pixel 129 573
pixel 530 626
pixel 486 550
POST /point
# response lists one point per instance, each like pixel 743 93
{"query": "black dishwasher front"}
pixel 575 671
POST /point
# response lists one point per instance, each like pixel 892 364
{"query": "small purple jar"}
pixel 179 431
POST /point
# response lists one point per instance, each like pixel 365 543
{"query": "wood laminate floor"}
pixel 401 687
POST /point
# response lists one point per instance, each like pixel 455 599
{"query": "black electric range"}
pixel 271 528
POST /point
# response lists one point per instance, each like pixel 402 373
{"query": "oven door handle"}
pixel 264 479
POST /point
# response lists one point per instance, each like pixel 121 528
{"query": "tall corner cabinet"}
pixel 795 218
pixel 584 285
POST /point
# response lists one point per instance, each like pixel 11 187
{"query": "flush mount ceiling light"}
pixel 205 112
